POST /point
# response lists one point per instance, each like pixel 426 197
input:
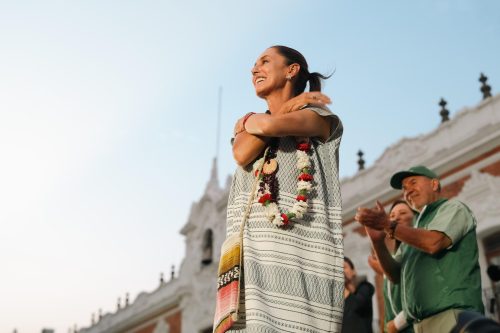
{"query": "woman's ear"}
pixel 293 70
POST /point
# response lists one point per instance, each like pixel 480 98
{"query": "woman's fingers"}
pixel 298 102
pixel 318 97
pixel 238 127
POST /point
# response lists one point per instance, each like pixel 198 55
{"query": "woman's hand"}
pixel 238 127
pixel 297 102
pixel 375 264
pixel 240 124
pixel 391 328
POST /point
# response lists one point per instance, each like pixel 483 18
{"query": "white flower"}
pixel 299 209
pixel 298 215
pixel 272 210
pixel 302 160
pixel 273 214
pixel 303 185
pixel 278 220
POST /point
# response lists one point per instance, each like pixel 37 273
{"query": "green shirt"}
pixel 449 279
pixel 392 304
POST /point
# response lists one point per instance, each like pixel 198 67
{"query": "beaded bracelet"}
pixel 245 118
pixel 248 115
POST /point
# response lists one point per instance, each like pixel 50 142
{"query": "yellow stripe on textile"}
pixel 230 256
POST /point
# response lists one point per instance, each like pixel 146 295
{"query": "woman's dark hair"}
pixel 349 262
pixel 401 201
pixel 295 57
pixel 397 202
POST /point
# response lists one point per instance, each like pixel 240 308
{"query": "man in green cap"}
pixel 437 262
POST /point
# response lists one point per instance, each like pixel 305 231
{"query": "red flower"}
pixel 256 173
pixel 284 217
pixel 304 146
pixel 301 198
pixel 305 177
pixel 266 197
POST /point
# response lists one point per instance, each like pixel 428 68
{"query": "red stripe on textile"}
pixel 227 301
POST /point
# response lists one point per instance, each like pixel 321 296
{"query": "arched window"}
pixel 207 248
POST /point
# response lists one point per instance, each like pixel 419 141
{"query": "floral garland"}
pixel 268 189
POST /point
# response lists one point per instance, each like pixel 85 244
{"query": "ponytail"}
pixel 315 81
pixel 300 81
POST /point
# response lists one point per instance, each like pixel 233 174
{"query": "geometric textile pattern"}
pixel 292 278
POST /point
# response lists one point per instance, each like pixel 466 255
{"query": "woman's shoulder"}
pixel 336 127
pixel 320 109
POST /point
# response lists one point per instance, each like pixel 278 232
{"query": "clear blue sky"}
pixel 108 117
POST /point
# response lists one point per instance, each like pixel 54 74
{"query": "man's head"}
pixel 420 186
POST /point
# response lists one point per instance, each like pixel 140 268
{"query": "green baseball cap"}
pixel 419 170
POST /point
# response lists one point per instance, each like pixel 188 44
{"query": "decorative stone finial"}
pixel 213 183
pixel 118 304
pixel 161 279
pixel 361 161
pixel 126 299
pixel 100 315
pixel 444 112
pixel 485 88
pixel 172 273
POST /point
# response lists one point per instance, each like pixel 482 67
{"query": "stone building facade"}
pixel 186 302
pixel 464 151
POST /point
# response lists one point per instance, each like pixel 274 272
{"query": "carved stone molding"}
pixel 482 194
pixel 470 133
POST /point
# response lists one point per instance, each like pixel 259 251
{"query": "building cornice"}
pixel 145 307
pixel 470 133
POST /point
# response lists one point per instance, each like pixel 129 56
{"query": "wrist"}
pixel 245 118
pixel 390 229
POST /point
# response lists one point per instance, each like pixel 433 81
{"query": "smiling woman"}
pixel 284 204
